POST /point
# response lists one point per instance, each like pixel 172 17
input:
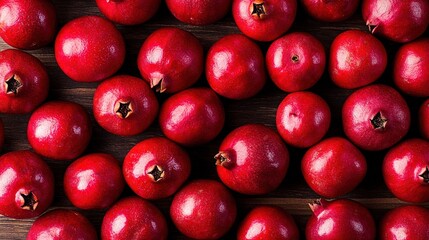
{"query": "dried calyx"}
pixel 379 121
pixel 28 201
pixel 158 84
pixel 425 175
pixel 13 84
pixel 257 9
pixel 156 173
pixel 123 108
pixel 223 159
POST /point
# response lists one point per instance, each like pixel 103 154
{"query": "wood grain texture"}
pixel 293 194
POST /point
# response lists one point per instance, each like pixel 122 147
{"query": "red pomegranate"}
pixel 397 20
pixel 156 168
pixel 252 159
pixel 330 11
pixel 124 105
pixel 26 185
pixel 406 170
pixel 406 222
pixel 375 117
pixel 199 12
pixel 339 219
pixel 128 12
pixel 24 82
pixel 264 20
pixel 171 60
pixel 411 68
pixel 333 167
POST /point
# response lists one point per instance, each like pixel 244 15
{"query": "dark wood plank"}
pixel 293 195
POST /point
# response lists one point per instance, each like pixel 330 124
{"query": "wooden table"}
pixel 293 194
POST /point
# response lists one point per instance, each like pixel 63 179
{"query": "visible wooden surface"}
pixel 293 194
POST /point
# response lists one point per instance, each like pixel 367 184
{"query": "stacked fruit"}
pixel 252 159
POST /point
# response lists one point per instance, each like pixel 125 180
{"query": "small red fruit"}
pixel 199 12
pixel 296 61
pixel 93 181
pixel 124 105
pixel 333 167
pixel 26 185
pixel 397 20
pixel 59 130
pixel 375 117
pixel 330 11
pixel 406 170
pixel 424 119
pixel 89 49
pixel 339 219
pixel 133 218
pixel 264 20
pixel 27 24
pixel 24 82
pixel 192 117
pixel 203 209
pixel 268 222
pixel 171 59
pixel 235 67
pixel 156 167
pixel 252 159
pixel 128 12
pixel 411 68
pixel 62 224
pixel 406 223
pixel 302 119
pixel 356 59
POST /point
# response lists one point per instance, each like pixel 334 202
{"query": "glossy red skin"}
pixel 134 218
pixel 124 89
pixel 295 75
pixel 1 134
pixel 257 160
pixel 33 77
pixel 173 55
pixel 406 222
pixel 268 222
pixel 411 68
pixel 62 224
pixel 356 59
pixel 340 219
pixel 59 130
pixel 424 119
pixel 199 12
pixel 330 11
pixel 278 18
pixel 24 172
pixel 192 117
pixel 128 12
pixel 27 24
pixel 235 67
pixel 402 167
pixel 362 105
pixel 333 167
pixel 165 154
pixel 302 119
pixel 93 181
pixel 86 55
pixel 203 209
pixel 397 20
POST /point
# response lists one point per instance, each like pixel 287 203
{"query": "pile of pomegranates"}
pixel 228 119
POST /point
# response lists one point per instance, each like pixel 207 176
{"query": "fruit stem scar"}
pixel 379 121
pixel 13 84
pixel 425 175
pixel 258 9
pixel 123 109
pixel 295 58
pixel 222 159
pixel 156 173
pixel 29 201
pixel 158 84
